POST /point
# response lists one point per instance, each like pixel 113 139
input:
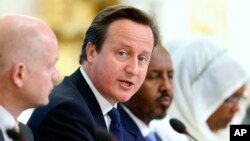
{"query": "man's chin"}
pixel 158 116
pixel 43 103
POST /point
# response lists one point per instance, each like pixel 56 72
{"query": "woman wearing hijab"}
pixel 209 85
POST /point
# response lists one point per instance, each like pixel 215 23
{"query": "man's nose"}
pixel 133 66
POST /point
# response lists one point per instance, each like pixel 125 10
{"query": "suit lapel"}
pixel 89 97
pixel 26 133
pixel 132 132
pixel 1 136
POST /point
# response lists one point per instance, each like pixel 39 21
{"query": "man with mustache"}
pixel 152 99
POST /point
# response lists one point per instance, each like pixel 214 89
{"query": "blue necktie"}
pixel 150 137
pixel 115 126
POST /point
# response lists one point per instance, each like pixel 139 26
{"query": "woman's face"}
pixel 224 114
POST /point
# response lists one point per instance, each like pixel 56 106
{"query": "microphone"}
pixel 102 134
pixel 180 127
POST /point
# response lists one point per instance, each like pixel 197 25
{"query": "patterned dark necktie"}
pixel 14 133
pixel 115 126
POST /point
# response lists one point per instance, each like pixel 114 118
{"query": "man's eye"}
pixel 170 76
pixel 142 59
pixel 153 76
pixel 121 53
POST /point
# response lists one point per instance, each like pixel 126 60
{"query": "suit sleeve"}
pixel 67 121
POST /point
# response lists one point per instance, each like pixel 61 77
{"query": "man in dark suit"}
pixel 150 101
pixel 114 61
pixel 28 53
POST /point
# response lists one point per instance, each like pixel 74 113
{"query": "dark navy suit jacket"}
pixel 73 113
pixel 131 132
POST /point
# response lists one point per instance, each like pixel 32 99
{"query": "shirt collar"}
pixel 7 121
pixel 145 130
pixel 104 104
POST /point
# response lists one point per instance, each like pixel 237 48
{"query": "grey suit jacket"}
pixel 25 133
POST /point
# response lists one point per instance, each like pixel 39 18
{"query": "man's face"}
pixel 42 73
pixel 119 69
pixel 156 92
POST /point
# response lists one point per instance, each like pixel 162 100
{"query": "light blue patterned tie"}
pixel 115 126
pixel 150 137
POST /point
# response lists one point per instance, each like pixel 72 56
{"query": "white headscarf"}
pixel 205 76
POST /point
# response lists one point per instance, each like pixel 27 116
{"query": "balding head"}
pixel 20 39
pixel 28 54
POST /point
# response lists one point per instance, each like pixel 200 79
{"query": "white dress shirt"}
pixel 7 121
pixel 104 104
pixel 144 129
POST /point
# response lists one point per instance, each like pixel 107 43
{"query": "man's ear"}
pixel 17 74
pixel 90 51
